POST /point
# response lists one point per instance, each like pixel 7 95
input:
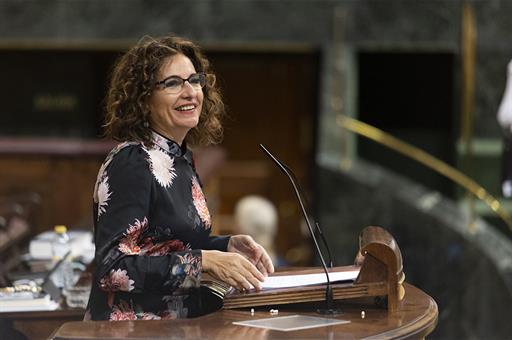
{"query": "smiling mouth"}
pixel 186 107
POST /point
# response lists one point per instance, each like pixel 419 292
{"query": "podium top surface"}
pixel 416 317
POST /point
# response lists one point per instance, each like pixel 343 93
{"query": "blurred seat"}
pixel 16 213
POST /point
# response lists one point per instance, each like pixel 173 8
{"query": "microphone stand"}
pixel 305 200
pixel 325 244
pixel 330 309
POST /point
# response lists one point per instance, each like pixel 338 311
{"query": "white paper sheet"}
pixel 307 279
pixel 291 322
pixel 52 305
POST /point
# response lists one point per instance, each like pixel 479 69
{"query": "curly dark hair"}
pixel 133 80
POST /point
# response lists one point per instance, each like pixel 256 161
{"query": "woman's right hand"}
pixel 232 268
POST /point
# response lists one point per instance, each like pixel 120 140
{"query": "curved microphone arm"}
pixel 306 204
pixel 325 243
pixel 287 172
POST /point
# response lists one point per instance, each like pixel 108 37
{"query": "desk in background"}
pixel 36 325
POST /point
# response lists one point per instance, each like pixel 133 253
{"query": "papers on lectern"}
pixel 286 281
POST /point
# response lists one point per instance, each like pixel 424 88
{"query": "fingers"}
pixel 243 244
pixel 252 271
pixel 256 253
pixel 254 283
pixel 259 257
pixel 261 267
pixel 252 244
pixel 241 283
pixel 264 262
pixel 246 277
pixel 267 263
pixel 233 269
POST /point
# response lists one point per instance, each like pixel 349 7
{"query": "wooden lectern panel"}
pixel 380 275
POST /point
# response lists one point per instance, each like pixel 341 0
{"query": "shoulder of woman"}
pixel 124 160
pixel 126 153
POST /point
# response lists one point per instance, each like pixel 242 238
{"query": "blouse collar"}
pixel 171 147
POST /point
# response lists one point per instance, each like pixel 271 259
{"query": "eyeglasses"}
pixel 174 84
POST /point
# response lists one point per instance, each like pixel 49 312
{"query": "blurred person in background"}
pixel 505 121
pixel 257 216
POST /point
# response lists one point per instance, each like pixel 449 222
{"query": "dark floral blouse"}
pixel 151 222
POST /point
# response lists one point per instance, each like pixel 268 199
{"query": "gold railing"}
pixel 426 159
pixel 468 59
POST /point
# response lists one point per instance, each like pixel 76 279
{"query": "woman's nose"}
pixel 187 89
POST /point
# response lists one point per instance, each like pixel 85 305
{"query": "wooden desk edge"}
pixel 420 327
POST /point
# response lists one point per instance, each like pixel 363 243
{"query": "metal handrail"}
pixel 415 153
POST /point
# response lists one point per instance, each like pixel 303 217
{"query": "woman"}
pixel 152 225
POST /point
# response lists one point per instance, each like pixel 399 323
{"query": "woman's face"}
pixel 174 114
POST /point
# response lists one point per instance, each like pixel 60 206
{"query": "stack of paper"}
pixel 20 302
pixel 285 281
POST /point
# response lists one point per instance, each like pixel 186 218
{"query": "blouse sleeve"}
pixel 213 242
pixel 219 243
pixel 127 259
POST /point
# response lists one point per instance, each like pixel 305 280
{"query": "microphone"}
pixel 331 309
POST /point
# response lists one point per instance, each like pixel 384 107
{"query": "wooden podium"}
pixel 409 312
pixel 380 275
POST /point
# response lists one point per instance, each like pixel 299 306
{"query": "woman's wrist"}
pixel 206 258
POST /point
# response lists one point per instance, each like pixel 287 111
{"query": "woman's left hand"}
pixel 253 251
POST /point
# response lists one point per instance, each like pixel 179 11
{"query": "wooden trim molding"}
pixel 55 146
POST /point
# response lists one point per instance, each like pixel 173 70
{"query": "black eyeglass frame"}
pixel 204 75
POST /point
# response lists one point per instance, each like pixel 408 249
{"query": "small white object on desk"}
pixel 40 247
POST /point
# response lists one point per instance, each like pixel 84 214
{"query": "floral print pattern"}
pixel 190 264
pixel 123 311
pixel 148 205
pixel 189 268
pixel 131 243
pixel 117 280
pixel 162 142
pixel 200 203
pixel 101 188
pixel 103 195
pixel 134 243
pixel 166 247
pixel 162 167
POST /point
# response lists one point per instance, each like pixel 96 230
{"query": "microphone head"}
pixel 271 156
pixel 262 147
